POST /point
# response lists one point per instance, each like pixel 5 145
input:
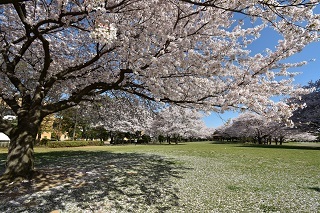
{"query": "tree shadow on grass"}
pixel 81 181
pixel 317 189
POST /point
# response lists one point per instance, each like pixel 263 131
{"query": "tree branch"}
pixel 11 1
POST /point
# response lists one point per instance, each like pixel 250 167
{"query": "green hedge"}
pixel 57 144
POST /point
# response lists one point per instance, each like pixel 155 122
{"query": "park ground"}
pixel 191 177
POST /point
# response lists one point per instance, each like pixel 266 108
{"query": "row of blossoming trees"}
pixel 134 120
pixel 131 122
pixel 252 127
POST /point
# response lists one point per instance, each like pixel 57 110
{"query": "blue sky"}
pixel 309 72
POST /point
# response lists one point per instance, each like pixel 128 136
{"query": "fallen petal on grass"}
pixel 196 177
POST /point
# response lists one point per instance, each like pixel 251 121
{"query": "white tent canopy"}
pixel 4 137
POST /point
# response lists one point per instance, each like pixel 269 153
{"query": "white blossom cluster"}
pixel 104 34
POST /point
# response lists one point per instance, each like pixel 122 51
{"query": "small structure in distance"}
pixel 4 140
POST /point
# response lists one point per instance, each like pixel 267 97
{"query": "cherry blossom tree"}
pixel 246 125
pixel 176 123
pixel 252 126
pixel 184 52
pixel 121 114
pixel 308 117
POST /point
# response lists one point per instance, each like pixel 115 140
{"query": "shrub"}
pixel 95 143
pixel 44 141
pixel 57 144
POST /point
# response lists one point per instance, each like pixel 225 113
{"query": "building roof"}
pixel 4 137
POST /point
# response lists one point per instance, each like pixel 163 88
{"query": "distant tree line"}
pixel 252 127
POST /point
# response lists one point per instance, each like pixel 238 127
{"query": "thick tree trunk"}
pixel 20 160
pixel 259 140
pixel 281 140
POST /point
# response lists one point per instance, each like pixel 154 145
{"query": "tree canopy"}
pixel 57 54
pixel 308 117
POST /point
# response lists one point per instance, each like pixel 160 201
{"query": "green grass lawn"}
pixel 190 177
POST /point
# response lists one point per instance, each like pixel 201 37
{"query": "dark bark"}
pixel 11 1
pixel 20 159
pixel 281 140
pixel 259 139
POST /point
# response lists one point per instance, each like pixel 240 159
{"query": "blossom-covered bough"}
pixel 56 54
pixel 308 118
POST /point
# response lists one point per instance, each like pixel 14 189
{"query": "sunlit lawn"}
pixel 190 177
